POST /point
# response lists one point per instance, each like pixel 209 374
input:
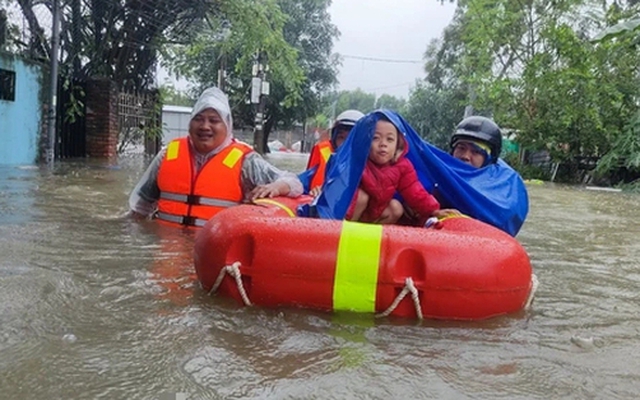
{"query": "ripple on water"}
pixel 72 266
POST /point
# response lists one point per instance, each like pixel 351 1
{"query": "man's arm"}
pixel 256 171
pixel 145 195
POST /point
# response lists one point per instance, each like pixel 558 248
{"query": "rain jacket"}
pixel 381 182
pixel 494 194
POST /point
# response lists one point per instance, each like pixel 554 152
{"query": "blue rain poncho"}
pixel 494 194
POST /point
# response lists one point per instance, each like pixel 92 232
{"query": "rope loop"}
pixel 234 271
pixel 409 287
pixel 532 292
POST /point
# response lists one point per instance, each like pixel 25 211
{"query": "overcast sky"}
pixel 397 30
pixel 389 30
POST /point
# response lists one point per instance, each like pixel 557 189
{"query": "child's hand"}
pixel 315 192
pixel 446 212
pixel 433 222
pixel 436 216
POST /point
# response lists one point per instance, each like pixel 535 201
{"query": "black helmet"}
pixel 480 128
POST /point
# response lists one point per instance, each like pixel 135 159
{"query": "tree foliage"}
pixel 173 96
pixel 297 51
pixel 434 112
pixel 532 66
pixel 350 100
pixel 122 39
pixel 391 102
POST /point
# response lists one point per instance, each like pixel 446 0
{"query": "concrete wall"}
pixel 175 122
pixel 20 120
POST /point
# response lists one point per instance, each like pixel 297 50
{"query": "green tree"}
pixel 9 31
pixel 298 74
pixel 349 100
pixel 624 155
pixel 390 102
pixel 531 66
pixel 122 39
pixel 437 105
pixel 171 95
pixel 434 112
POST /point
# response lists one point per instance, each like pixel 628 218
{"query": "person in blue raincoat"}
pixel 493 193
pixel 476 141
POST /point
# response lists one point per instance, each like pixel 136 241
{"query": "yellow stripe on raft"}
pixel 356 280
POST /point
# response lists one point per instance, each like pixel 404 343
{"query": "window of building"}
pixel 7 85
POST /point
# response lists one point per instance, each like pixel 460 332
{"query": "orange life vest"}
pixel 319 156
pixel 189 198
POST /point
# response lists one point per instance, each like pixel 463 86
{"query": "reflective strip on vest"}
pixel 357 263
pixel 277 204
pixel 232 158
pixel 197 200
pixel 326 153
pixel 182 220
pixel 172 150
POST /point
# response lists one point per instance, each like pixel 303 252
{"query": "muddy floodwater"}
pixel 96 306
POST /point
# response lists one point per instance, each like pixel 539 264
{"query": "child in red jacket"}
pixel 386 172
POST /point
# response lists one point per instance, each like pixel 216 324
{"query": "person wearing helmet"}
pixel 476 141
pixel 321 152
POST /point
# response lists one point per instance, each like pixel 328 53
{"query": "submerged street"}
pixel 94 305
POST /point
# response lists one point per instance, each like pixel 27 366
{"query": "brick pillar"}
pixel 102 118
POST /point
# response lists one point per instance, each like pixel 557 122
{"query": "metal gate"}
pixel 139 116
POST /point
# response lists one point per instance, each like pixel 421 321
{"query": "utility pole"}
pixel 303 141
pixel 3 28
pixel 468 110
pixel 221 72
pixel 259 93
pixel 53 82
pixel 222 69
pixel 333 112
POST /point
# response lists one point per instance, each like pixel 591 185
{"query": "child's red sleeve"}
pixel 412 191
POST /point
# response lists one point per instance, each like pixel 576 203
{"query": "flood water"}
pixel 93 305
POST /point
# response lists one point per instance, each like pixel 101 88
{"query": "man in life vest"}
pixel 321 152
pixel 195 177
pixel 477 141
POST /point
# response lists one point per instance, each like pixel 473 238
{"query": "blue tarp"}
pixel 494 194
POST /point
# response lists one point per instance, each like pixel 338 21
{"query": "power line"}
pixel 388 60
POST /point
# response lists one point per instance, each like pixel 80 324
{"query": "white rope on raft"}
pixel 409 287
pixel 234 271
pixel 532 292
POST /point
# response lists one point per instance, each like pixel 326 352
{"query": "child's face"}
pixel 384 144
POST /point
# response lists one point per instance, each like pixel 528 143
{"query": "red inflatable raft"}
pixel 261 254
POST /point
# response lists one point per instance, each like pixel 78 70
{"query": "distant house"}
pixel 21 109
pixel 539 158
pixel 175 122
